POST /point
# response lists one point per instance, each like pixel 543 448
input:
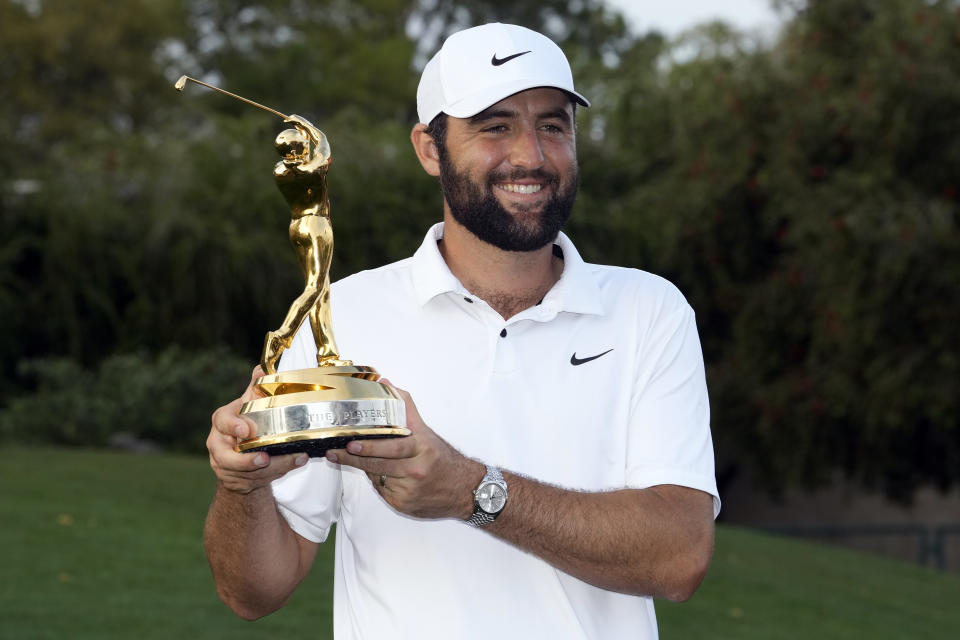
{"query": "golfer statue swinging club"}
pixel 311 410
pixel 314 409
pixel 302 179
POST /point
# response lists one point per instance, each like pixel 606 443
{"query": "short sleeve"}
pixel 669 441
pixel 309 498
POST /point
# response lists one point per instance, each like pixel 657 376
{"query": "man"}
pixel 560 467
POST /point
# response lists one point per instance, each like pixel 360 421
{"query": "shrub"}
pixel 164 398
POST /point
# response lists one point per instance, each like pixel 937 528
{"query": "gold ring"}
pixel 383 481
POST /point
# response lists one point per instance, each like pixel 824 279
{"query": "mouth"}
pixel 513 187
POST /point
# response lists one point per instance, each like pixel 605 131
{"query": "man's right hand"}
pixel 244 472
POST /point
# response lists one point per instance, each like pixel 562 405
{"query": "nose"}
pixel 526 151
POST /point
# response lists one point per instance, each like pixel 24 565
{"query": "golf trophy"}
pixel 312 410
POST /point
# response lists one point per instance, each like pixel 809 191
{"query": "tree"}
pixel 801 193
pixel 804 196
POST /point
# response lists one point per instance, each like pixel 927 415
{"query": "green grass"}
pixel 770 587
pixel 101 545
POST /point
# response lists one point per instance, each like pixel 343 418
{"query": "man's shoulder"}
pixel 386 276
pixel 628 283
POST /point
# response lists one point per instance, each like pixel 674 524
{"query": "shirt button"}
pixel 503 334
pixel 468 299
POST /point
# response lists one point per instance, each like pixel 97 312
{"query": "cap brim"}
pixel 474 104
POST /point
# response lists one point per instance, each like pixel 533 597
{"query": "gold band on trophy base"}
pixel 313 410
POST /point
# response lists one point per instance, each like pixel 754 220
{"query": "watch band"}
pixel 480 517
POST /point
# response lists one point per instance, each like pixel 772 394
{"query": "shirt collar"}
pixel 576 291
pixel 431 275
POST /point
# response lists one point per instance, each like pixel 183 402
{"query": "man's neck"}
pixel 509 281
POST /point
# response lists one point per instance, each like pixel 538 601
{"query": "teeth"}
pixel 520 188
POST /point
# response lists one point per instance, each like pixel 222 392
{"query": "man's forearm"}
pixel 655 541
pixel 257 560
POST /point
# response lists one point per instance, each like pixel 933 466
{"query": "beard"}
pixel 480 212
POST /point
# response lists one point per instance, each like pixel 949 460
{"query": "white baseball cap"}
pixel 479 67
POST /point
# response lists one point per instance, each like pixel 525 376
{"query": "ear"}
pixel 426 149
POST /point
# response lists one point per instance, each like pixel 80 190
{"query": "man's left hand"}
pixel 420 475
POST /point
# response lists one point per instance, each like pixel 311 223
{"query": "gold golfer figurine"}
pixel 325 407
pixel 302 178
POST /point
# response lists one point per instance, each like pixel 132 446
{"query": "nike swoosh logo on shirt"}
pixel 495 61
pixel 575 361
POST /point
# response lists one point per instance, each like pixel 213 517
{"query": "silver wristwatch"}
pixel 489 499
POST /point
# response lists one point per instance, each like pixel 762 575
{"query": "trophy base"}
pixel 314 410
pixel 316 446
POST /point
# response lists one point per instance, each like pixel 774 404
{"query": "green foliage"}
pixel 147 217
pixel 166 400
pixel 804 196
pixel 802 193
pixel 152 219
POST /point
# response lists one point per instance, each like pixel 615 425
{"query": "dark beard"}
pixel 485 217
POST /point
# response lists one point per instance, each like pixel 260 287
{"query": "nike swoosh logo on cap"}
pixel 495 61
pixel 575 361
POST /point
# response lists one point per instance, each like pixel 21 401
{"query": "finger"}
pixel 269 469
pixel 263 463
pixel 395 448
pixel 255 464
pixel 224 455
pixel 378 480
pixel 228 430
pixel 253 392
pixel 414 421
pixel 228 421
pixel 374 466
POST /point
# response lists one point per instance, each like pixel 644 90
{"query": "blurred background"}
pixel 793 169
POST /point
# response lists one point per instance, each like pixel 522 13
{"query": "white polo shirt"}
pixel 600 386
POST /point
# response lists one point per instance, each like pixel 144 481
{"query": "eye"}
pixel 496 128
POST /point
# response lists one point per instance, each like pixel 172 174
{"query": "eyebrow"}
pixel 559 114
pixel 491 114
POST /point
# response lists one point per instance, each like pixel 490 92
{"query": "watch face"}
pixel 491 497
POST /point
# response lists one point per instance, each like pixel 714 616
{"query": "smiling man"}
pixel 560 469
